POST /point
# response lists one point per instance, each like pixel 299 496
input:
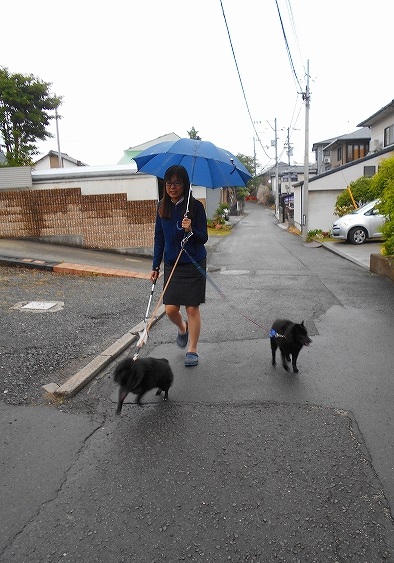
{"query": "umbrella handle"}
pixel 188 201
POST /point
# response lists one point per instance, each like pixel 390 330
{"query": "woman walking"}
pixel 177 217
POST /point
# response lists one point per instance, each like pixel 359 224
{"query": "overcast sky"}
pixel 132 71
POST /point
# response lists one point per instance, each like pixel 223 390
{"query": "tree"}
pixel 383 185
pixel 25 106
pixel 193 134
pixel 249 163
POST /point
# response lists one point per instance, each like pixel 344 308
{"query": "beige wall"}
pixel 106 221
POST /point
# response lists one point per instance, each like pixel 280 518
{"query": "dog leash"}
pixel 144 334
pixel 272 332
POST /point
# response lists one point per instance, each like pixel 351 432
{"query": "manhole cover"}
pixel 39 306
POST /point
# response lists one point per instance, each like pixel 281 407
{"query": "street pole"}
pixel 304 208
pixel 254 156
pixel 59 154
pixel 276 173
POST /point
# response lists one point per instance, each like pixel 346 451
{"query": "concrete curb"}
pixel 80 379
pixel 71 268
pixel 344 255
pixel 28 263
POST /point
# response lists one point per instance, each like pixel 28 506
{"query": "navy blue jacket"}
pixel 169 235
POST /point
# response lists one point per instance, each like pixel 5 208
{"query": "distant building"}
pixel 131 152
pixel 51 160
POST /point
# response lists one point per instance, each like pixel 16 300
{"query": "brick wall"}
pixel 103 221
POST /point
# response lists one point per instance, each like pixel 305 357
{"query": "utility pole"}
pixel 254 156
pixel 276 173
pixel 59 154
pixel 289 147
pixel 304 200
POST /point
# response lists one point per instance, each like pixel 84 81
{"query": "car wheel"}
pixel 358 235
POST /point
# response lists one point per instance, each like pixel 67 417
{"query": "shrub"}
pixel 317 234
pixel 383 181
pixel 362 191
pixel 218 219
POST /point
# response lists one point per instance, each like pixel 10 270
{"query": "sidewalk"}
pixel 359 255
pixel 72 260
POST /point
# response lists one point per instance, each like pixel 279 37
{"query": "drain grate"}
pixel 39 306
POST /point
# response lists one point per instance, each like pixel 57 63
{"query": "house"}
pixel 358 159
pixel 98 180
pixel 381 125
pixel 51 160
pixel 286 176
pixel 347 148
pixel 323 160
pixel 341 150
pixel 131 152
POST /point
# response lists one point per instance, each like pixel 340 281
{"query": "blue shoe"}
pixel 191 359
pixel 182 339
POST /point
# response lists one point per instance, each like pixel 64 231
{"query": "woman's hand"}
pixel 154 275
pixel 187 224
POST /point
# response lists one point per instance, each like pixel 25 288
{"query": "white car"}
pixel 362 224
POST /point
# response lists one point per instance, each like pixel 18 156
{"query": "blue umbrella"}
pixel 206 164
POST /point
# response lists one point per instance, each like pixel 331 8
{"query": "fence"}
pixel 107 221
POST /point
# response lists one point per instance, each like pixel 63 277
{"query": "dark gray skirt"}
pixel 187 285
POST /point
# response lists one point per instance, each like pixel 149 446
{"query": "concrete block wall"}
pixel 106 221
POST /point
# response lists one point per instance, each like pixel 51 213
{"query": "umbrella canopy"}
pixel 206 164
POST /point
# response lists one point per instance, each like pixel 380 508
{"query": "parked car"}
pixel 362 224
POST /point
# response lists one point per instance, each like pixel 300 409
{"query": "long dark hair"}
pixel 165 203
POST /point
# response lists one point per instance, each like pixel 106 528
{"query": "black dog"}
pixel 141 375
pixel 289 337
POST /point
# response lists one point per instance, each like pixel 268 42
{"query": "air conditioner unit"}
pixel 327 160
pixel 376 145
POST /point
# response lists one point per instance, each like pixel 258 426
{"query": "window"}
pixel 369 171
pixel 356 151
pixel 389 136
pixel 339 154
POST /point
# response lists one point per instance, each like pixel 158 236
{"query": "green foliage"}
pixel 218 221
pixel 384 177
pixel 25 113
pixel 270 199
pixel 193 134
pixel 250 165
pixel 362 191
pixel 317 234
pixel 241 193
pixel 383 181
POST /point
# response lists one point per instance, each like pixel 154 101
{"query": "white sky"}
pixel 132 71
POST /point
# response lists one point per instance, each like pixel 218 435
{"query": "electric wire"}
pixel 293 26
pixel 288 48
pixel 291 127
pixel 240 80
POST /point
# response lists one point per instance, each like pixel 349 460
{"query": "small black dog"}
pixel 141 375
pixel 289 337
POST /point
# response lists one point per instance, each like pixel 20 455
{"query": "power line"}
pixel 288 48
pixel 240 81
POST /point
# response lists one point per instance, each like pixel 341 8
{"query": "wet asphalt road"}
pixel 246 462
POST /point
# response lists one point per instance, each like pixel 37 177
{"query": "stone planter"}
pixel 382 265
